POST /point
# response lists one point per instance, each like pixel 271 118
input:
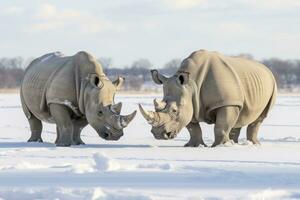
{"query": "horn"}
pixel 159 105
pixel 126 119
pixel 116 108
pixel 148 115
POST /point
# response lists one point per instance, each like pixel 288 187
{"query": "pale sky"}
pixel 158 30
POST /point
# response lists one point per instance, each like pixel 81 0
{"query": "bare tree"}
pixel 141 63
pixel 16 62
pixel 11 72
pixel 171 67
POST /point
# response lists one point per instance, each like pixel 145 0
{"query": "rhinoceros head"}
pixel 101 111
pixel 175 110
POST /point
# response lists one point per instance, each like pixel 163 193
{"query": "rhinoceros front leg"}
pixel 61 115
pixel 57 135
pixel 234 134
pixel 196 135
pixel 36 129
pixel 78 125
pixel 252 131
pixel 226 118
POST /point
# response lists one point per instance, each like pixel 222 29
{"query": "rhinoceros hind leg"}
pixel 196 135
pixel 252 131
pixel 226 118
pixel 234 134
pixel 36 129
pixel 61 115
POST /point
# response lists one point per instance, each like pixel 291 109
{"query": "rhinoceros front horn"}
pixel 148 115
pixel 126 119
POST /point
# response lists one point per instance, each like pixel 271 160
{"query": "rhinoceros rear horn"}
pixel 126 119
pixel 116 108
pixel 159 105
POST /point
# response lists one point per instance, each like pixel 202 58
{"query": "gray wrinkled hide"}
pixel 54 78
pixel 229 92
pixel 71 91
pixel 229 81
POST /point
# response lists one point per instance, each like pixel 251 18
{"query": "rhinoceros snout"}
pixel 112 136
pixel 159 137
pixel 105 135
pixel 162 134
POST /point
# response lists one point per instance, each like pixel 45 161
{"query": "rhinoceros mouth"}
pixel 111 133
pixel 110 136
pixel 105 135
pixel 170 135
pixel 164 135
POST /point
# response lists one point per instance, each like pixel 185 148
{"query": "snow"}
pixel 140 167
pixel 104 163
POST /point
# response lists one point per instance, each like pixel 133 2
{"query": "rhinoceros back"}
pixel 37 79
pixel 228 81
pixel 259 89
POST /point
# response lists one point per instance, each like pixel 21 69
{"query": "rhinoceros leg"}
pixel 196 135
pixel 61 115
pixel 226 118
pixel 57 135
pixel 36 129
pixel 234 134
pixel 78 125
pixel 252 131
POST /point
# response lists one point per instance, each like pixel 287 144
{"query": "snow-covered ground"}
pixel 140 167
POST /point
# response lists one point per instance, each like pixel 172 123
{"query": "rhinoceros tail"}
pixel 270 103
pixel 24 106
pixel 273 98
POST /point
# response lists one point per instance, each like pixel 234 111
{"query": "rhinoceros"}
pixel 72 92
pixel 229 92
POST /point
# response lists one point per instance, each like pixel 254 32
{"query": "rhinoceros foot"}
pixel 63 144
pixel 221 139
pixel 78 141
pixel 255 141
pixel 35 139
pixel 194 144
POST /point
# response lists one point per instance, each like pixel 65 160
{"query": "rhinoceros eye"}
pixel 173 113
pixel 100 113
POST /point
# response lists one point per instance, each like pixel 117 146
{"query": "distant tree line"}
pixel 286 72
pixel 11 72
pixel 137 75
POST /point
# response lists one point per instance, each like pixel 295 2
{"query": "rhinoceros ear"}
pixel 157 77
pixel 118 83
pixel 95 80
pixel 183 78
